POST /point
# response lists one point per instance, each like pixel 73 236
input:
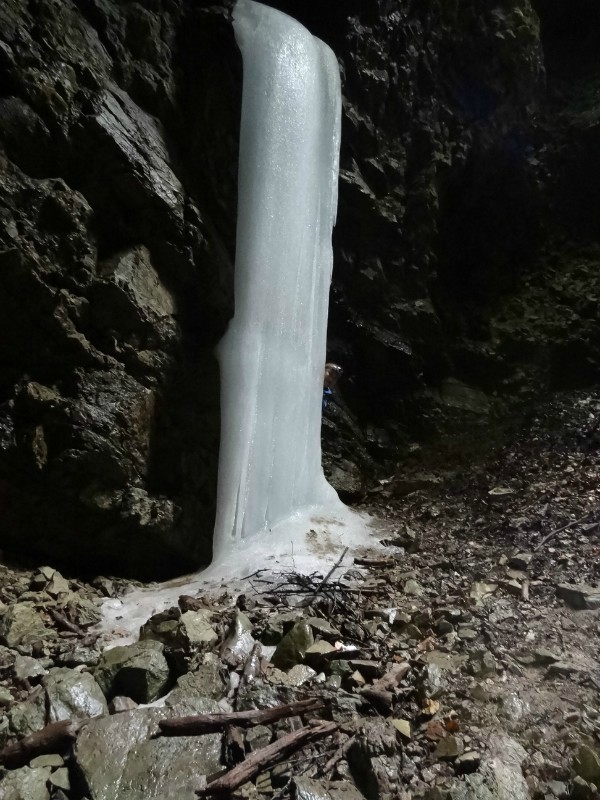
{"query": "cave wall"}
pixel 465 251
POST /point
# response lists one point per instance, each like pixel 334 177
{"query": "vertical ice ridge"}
pixel 273 354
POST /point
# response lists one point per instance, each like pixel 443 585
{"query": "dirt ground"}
pixel 480 619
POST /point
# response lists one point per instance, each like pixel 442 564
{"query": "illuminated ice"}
pixel 273 354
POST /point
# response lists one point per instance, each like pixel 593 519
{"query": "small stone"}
pixel 60 779
pixel 317 654
pixel 370 669
pixel 579 596
pixel 139 671
pixel 468 762
pixel 27 668
pixel 239 641
pixel 482 663
pixel 21 624
pixel 119 704
pixel 6 697
pixel 403 727
pixel 412 587
pixel 558 789
pixel 291 650
pixel 444 627
pixel 51 760
pixel 448 748
pixel 299 674
pixel 73 695
pixel 521 561
pixel 258 736
pixel 543 657
pixel 562 669
pixel 197 628
pixel 466 633
pixel 587 764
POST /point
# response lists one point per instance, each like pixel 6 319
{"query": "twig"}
pixel 339 754
pixel 337 564
pixel 267 756
pixel 564 528
pixel 210 723
pixel 51 739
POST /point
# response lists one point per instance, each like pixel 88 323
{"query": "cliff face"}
pixel 466 247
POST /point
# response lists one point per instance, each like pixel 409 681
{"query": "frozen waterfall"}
pixel 273 354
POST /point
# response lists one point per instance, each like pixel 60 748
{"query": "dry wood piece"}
pixel 63 623
pixel 210 723
pixel 267 756
pixel 51 739
pixel 374 562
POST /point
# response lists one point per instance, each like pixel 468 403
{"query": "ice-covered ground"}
pixel 306 543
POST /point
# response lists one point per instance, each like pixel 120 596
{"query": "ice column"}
pixel 273 354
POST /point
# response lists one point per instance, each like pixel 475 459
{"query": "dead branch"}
pixel 51 739
pixel 211 723
pixel 267 756
pixel 63 624
pixel 566 527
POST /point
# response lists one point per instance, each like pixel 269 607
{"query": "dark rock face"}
pixel 118 125
pixel 466 247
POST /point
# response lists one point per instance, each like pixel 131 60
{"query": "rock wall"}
pixel 466 249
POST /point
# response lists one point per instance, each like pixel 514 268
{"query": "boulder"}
pixel 139 671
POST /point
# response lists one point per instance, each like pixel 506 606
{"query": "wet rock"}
pixel 292 648
pixel 21 624
pixel 26 784
pixel 29 668
pixel 60 779
pixel 116 759
pixel 73 695
pixel 28 716
pixel 6 697
pixel 373 760
pixel 258 736
pixel 119 704
pixel 197 628
pixel 299 674
pixel 50 760
pixel 139 671
pixel 308 789
pixel 587 764
pixel 51 581
pixel 204 679
pixel 579 596
pixel 239 641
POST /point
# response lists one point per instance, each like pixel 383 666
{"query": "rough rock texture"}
pixel 467 247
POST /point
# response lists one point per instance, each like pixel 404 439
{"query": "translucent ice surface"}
pixel 273 354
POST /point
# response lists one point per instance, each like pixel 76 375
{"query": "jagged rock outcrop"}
pixel 466 248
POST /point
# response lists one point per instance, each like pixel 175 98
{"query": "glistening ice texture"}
pixel 273 354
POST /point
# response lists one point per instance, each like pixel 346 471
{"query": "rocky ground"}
pixel 463 664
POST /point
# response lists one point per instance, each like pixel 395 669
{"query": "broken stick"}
pixel 267 756
pixel 211 723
